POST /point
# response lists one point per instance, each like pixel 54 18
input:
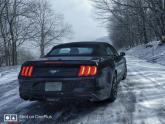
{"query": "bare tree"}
pixel 48 26
pixel 157 17
pixel 14 27
pixel 23 21
pixel 132 22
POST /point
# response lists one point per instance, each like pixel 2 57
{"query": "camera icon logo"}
pixel 10 118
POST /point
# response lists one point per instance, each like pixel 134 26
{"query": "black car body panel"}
pixel 64 70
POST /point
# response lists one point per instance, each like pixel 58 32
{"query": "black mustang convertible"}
pixel 79 70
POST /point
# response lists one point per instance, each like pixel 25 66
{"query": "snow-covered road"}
pixel 141 100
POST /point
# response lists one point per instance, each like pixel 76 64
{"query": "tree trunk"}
pixel 42 50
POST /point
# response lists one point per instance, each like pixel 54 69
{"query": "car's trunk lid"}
pixel 60 67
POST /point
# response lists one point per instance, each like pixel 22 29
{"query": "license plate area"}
pixel 53 86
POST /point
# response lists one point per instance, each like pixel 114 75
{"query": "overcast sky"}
pixel 80 14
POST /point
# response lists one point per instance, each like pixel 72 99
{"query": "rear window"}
pixel 71 51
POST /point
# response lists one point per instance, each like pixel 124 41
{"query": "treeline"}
pixel 132 22
pixel 28 22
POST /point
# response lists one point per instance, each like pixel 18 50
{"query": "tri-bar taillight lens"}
pixel 27 71
pixel 86 71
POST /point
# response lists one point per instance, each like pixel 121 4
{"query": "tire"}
pixel 114 89
pixel 23 97
pixel 125 74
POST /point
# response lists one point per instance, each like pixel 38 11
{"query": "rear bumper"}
pixel 72 88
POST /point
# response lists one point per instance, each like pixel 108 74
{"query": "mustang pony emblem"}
pixel 54 71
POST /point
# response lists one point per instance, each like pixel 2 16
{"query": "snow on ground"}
pixel 141 100
pixel 153 53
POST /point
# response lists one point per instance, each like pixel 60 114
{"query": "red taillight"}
pixel 27 71
pixel 93 70
pixel 87 71
pixel 23 71
pixel 82 70
pixel 30 71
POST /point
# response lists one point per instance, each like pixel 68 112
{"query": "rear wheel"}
pixel 23 97
pixel 113 94
pixel 125 74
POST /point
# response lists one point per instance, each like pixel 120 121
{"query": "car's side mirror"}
pixel 122 54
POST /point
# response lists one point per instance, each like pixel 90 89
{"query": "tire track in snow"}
pixel 127 109
pixel 146 114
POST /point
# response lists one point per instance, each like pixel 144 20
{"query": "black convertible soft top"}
pixel 91 43
pixel 98 48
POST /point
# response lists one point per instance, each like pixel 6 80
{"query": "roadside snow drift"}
pixel 152 52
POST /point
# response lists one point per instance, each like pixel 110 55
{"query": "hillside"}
pixel 152 52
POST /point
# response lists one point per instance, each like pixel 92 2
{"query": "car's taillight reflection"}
pixel 87 71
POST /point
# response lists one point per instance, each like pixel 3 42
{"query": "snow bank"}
pixel 152 52
pixel 8 73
